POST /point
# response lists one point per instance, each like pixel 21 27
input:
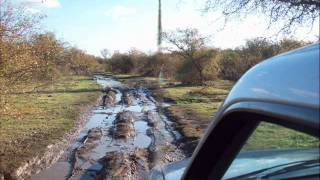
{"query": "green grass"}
pixel 71 83
pixel 270 136
pixel 193 118
pixel 196 105
pixel 39 119
pixel 197 94
pixel 202 100
pixel 202 110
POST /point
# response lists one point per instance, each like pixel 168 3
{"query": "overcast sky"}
pixel 92 25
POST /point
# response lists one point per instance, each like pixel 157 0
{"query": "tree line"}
pixel 188 59
pixel 29 55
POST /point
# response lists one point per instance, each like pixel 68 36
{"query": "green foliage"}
pixel 187 73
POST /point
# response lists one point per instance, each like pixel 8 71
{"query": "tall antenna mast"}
pixel 159 27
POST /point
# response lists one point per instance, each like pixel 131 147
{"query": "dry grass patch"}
pixel 40 119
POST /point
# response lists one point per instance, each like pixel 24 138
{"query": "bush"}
pixel 160 62
pixel 203 64
pixel 234 63
pixel 121 63
pixel 230 65
pixel 202 67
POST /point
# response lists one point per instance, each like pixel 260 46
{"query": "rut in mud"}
pixel 126 136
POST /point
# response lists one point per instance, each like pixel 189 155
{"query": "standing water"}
pixel 125 137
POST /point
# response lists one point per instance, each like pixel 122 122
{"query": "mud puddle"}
pixel 126 136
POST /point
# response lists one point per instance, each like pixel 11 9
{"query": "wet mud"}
pixel 126 136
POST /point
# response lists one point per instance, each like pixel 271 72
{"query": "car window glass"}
pixel 276 152
pixel 272 136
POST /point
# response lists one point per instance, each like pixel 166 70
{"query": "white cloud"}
pixel 42 3
pixel 119 11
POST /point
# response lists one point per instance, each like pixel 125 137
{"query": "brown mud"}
pixel 127 135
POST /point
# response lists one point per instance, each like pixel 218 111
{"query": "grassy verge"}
pixel 41 118
pixel 195 106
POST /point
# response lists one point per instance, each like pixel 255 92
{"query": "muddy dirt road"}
pixel 126 136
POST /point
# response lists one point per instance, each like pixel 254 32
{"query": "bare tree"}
pixel 188 43
pixel 16 22
pixel 105 53
pixel 289 12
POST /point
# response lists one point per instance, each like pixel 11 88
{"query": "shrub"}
pixel 121 63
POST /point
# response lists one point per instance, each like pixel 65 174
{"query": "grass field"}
pixel 42 118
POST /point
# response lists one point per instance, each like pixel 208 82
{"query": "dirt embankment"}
pixel 185 126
